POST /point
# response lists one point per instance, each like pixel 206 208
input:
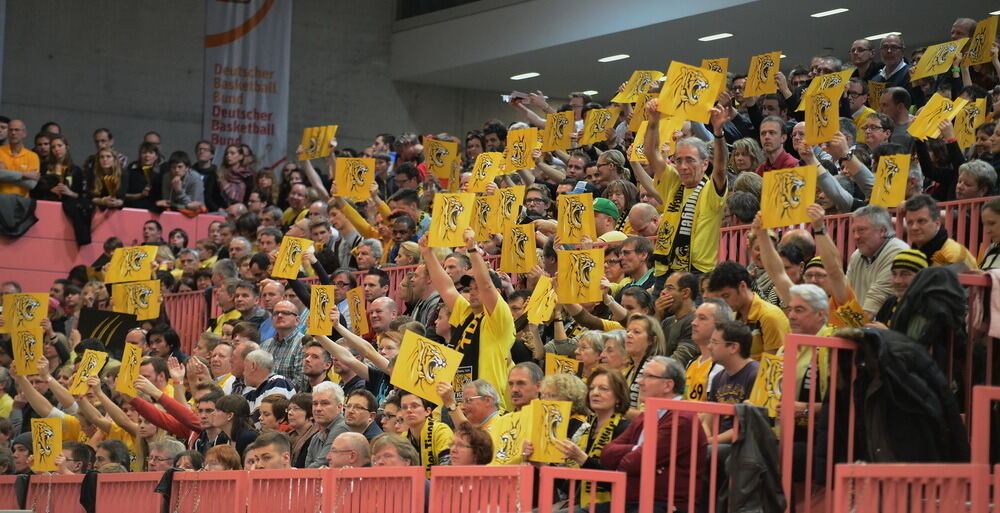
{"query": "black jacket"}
pixel 932 312
pixel 753 466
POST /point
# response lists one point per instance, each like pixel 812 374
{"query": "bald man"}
pixel 20 166
pixel 348 450
pixel 644 219
pixel 382 311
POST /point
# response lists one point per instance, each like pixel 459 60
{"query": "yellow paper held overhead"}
pixel 556 364
pixel 354 177
pixel 760 77
pixel 889 189
pixel 90 365
pixel 559 128
pixel 596 124
pixel 639 111
pixel 508 433
pixel 451 216
pixel 638 83
pixel 937 109
pixel 316 141
pixel 637 152
pixel 440 156
pixel 139 298
pixel 521 143
pixel 289 259
pixel 321 300
pixel 133 263
pixel 689 92
pixel 549 423
pixel 484 216
pixel 24 311
pixel 518 255
pixel 131 360
pixel 875 90
pixel 356 308
pixel 968 119
pixel 46 444
pixel 831 81
pixel 766 390
pixel 427 363
pixel 580 274
pixel 486 168
pixel 509 203
pixel 822 115
pixel 981 41
pixel 720 65
pixel 937 59
pixel 28 349
pixel 786 195
pixel 542 302
pixel 576 217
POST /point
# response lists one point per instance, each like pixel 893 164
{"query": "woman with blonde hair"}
pixel 223 457
pixel 110 183
pixel 643 339
pixel 408 254
pixel 745 156
pixel 568 387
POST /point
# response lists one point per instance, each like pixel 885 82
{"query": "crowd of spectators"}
pixel 256 392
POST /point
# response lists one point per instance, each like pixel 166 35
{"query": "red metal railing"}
pixel 481 488
pixel 912 488
pixel 982 406
pixel 376 490
pixel 55 493
pixel 8 499
pixel 131 492
pixel 548 476
pixel 291 491
pixel 209 491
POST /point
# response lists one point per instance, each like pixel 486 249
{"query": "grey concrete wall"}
pixel 136 66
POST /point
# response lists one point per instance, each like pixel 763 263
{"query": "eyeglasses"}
pixel 645 375
pixel 869 128
pixel 892 48
pixel 814 276
pixel 292 408
pixel 628 251
pixel 355 407
pixel 534 200
pixel 613 261
pixel 342 284
pixel 860 50
pixel 285 312
pixel 854 96
pixel 471 397
pixel 161 459
pixel 341 450
pixel 460 445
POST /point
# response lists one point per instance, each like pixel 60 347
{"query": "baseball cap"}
pixel 606 206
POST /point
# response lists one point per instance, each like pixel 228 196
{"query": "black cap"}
pixel 467 279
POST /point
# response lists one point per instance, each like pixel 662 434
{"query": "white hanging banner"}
pixel 248 47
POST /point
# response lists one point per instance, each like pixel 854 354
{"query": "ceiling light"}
pixel 876 37
pixel 995 13
pixel 831 12
pixel 613 58
pixel 590 92
pixel 783 56
pixel 713 37
pixel 523 76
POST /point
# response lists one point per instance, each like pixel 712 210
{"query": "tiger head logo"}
pixel 664 236
pixel 565 367
pixel 137 297
pixel 482 171
pixel 312 147
pixel 642 84
pixel 551 418
pixel 582 267
pixel 132 259
pixel 357 308
pixel 943 54
pixel 559 124
pixel 828 81
pixel 517 151
pixel 971 111
pixel 293 254
pixel 322 300
pixel 89 370
pixel 27 341
pixel 788 188
pixel 574 215
pixel 714 66
pixel 44 440
pixel 506 450
pixel 508 202
pixel 891 170
pixel 820 112
pixel 977 46
pixel 357 172
pixel 483 210
pixel 437 154
pixel 451 210
pixel 24 308
pixel 430 361
pixel 601 119
pixel 520 241
pixel 763 70
pixel 690 85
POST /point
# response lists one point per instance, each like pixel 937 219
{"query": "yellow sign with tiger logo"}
pixel 559 129
pixel 831 81
pixel 316 141
pixel 766 390
pixel 786 194
pixel 357 309
pixel 485 169
pixel 891 176
pixel 542 302
pixel 440 156
pixel 131 360
pixel 556 364
pixel 547 422
pixel 968 119
pixel 289 259
pixel 720 65
pixel 321 299
pixel 521 143
pixel 597 123
pixel 639 83
pixel 28 349
pixel 452 214
pixel 576 218
pixel 639 115
pixel 133 263
pixel 689 92
pixel 508 208
pixel 24 311
pixel 981 41
pixel 354 177
pixel 427 363
pixel 937 59
pixel 139 298
pixel 760 76
pixel 484 216
pixel 937 109
pixel 46 444
pixel 90 365
pixel 822 115
pixel 579 275
pixel 518 253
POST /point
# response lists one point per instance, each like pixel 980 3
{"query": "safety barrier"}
pixel 458 489
pixel 681 459
pixel 961 219
pixel 798 457
pixel 549 475
pixel 8 497
pixel 291 491
pixel 131 492
pixel 912 488
pixel 56 493
pixel 982 407
pixel 377 490
pixel 222 490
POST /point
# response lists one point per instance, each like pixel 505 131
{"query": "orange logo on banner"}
pixel 224 38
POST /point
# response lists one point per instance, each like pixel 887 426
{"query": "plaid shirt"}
pixel 287 353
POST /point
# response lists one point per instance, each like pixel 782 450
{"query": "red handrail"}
pixel 894 488
pixel 458 489
pixel 548 476
pixel 129 491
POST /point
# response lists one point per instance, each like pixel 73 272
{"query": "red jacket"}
pixel 178 420
pixel 785 160
pixel 619 455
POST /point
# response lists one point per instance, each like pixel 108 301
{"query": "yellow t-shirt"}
pixel 118 433
pixel 696 379
pixel 72 430
pixel 496 337
pixel 223 318
pixel 23 162
pixel 769 326
pixel 708 211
